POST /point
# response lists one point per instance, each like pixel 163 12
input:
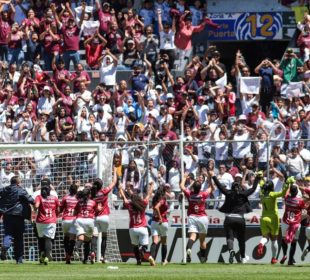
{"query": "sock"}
pixel 163 252
pixel 230 244
pixel 137 253
pixel 263 241
pixel 103 245
pixel 94 244
pixel 71 247
pixel 41 244
pixel 86 250
pixel 153 250
pixel 202 253
pixel 284 247
pixel 78 244
pixel 66 244
pixel 48 247
pixel 190 244
pixel 274 248
pixel 292 251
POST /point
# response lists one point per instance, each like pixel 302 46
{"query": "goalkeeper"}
pixel 269 222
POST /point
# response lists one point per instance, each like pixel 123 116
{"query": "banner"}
pixel 250 85
pixel 222 82
pixel 252 26
pixel 293 89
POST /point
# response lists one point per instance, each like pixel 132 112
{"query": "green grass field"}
pixel 31 271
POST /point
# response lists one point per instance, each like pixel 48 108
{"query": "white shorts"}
pixel 284 228
pixel 102 223
pixel 159 229
pixel 198 224
pixel 84 226
pixel 139 236
pixel 308 232
pixel 68 227
pixel 46 230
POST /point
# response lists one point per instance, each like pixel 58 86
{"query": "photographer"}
pixel 291 66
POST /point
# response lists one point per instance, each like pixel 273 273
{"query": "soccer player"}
pixel 235 206
pixel 137 221
pixel 159 226
pixel 67 207
pixel 307 225
pixel 290 225
pixel 84 224
pixel 269 222
pixel 197 217
pixel 47 206
pixel 100 195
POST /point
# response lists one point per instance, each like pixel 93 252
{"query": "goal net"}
pixel 64 164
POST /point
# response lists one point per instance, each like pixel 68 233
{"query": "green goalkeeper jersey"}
pixel 269 201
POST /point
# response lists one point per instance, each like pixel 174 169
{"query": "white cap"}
pixel 238 175
pixel 170 95
pixel 242 118
pixel 131 109
pixel 47 88
pixel 158 87
pixel 119 109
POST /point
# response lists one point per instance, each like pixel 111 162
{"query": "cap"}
pixel 105 4
pixel 121 137
pixel 238 175
pixel 119 110
pixel 242 118
pixel 289 50
pixel 130 41
pixel 131 109
pixel 170 95
pixel 255 103
pixel 45 182
pixel 159 87
pixel 47 88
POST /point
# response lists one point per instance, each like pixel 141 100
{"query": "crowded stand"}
pixel 59 66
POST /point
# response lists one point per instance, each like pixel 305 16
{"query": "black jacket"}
pixel 15 201
pixel 235 202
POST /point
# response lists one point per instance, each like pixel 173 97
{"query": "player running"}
pixel 197 217
pixel 269 222
pixel 84 224
pixel 136 206
pixel 67 207
pixel 159 226
pixel 101 195
pixel 290 225
pixel 47 206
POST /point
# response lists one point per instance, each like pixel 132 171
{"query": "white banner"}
pixel 293 89
pixel 250 85
pixel 222 82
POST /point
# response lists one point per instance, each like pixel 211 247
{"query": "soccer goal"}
pixel 64 164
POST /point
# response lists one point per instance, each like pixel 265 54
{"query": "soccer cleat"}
pixel 188 255
pixel 92 258
pixel 164 263
pixel 260 250
pixel 245 259
pixel 46 260
pixel 274 261
pixel 304 254
pixel 151 261
pixel 231 256
pixel 283 260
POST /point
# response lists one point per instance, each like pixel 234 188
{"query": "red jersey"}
pixel 47 211
pixel 163 209
pixel 293 209
pixel 102 198
pixel 71 38
pixel 136 219
pixel 67 205
pixel 93 54
pixel 197 203
pixel 86 210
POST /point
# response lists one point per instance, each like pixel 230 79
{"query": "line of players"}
pixel 86 213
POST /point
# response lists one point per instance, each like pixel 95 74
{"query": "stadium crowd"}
pixel 44 99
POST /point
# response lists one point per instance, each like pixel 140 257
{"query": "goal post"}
pixel 63 163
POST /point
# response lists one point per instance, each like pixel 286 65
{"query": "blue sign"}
pixel 247 26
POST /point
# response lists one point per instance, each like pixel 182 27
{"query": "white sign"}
pixel 250 85
pixel 293 89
